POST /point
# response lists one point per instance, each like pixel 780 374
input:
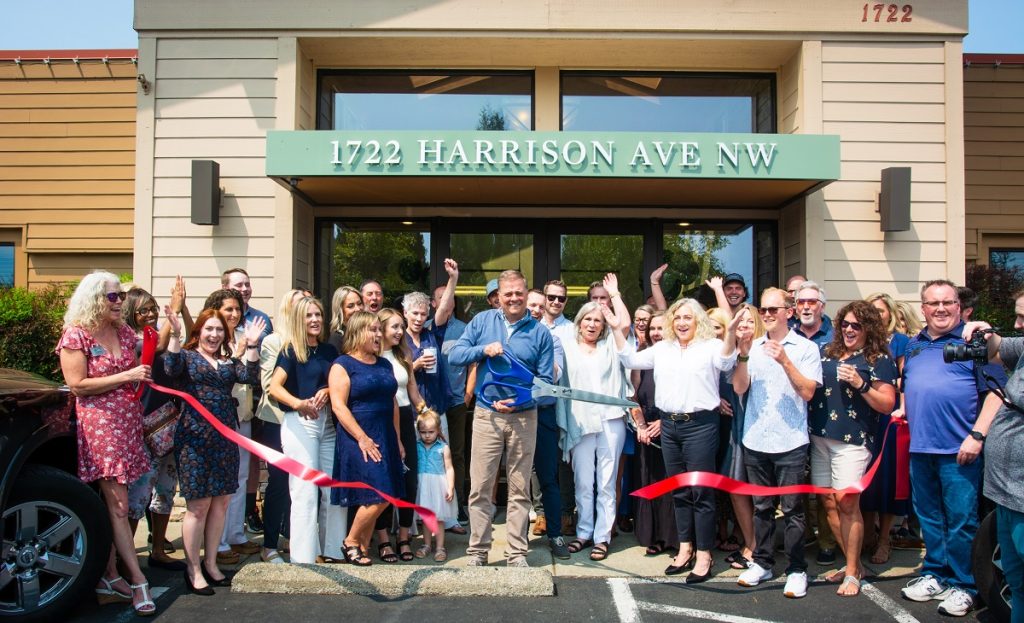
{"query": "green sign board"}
pixel 552 154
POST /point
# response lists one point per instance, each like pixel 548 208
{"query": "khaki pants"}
pixel 494 433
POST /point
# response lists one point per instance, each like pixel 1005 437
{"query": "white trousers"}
pixel 234 521
pixel 595 460
pixel 313 530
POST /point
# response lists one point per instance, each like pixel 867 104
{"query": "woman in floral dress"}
pixel 208 462
pixel 97 357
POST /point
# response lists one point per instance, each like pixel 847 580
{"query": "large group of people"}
pixel 407 399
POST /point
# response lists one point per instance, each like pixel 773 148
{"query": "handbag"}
pixel 158 428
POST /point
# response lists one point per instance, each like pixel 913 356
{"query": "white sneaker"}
pixel 476 561
pixel 925 588
pixel 957 604
pixel 796 585
pixel 754 575
pixel 533 515
pixel 518 562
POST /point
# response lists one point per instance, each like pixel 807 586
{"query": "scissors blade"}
pixel 541 389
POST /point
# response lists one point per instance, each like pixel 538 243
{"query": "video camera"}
pixel 975 350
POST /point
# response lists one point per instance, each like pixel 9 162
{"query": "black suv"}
pixel 56 534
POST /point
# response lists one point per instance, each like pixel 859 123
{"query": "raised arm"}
pixel 611 285
pixel 446 306
pixel 659 296
pixel 715 283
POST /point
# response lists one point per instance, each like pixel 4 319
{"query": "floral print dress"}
pixel 207 461
pixel 110 444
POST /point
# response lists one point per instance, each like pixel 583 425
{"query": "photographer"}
pixel 1004 452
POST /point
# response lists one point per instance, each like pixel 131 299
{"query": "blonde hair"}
pixel 430 416
pixel 759 328
pixel 355 330
pixel 294 334
pixel 908 315
pixel 704 330
pixel 400 350
pixel 338 307
pixel 285 306
pixel 88 302
pixel 720 316
pixel 786 298
pixel 889 304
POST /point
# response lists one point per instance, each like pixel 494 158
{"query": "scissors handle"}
pixel 523 395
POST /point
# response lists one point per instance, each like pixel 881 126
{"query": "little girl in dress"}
pixel 436 487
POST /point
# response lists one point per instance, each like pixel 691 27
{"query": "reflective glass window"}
pixel 6 264
pixel 640 102
pixel 433 100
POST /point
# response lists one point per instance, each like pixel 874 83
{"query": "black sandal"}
pixel 577 545
pixel 599 552
pixel 405 556
pixel 737 560
pixel 655 549
pixel 390 557
pixel 354 556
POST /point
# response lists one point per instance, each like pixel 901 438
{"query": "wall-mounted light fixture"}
pixel 145 84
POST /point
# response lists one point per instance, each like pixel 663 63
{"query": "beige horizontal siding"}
pixel 214 99
pixel 887 103
pixel 67 155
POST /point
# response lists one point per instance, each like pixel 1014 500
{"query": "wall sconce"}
pixel 144 84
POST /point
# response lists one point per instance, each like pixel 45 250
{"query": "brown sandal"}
pixel 576 545
pixel 599 552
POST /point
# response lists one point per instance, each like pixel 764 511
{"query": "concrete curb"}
pixel 393 581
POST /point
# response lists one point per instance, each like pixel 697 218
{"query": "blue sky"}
pixel 77 24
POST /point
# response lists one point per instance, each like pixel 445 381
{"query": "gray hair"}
pixel 415 299
pixel 88 303
pixel 586 309
pixel 810 285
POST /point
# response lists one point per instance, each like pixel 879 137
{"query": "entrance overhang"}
pixel 329 168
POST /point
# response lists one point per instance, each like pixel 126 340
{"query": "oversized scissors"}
pixel 510 376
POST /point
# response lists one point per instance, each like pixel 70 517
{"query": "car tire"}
pixel 986 560
pixel 56 544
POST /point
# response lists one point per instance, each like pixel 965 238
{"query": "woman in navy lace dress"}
pixel 363 387
pixel 207 461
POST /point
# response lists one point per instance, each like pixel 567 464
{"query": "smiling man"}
pixel 237 279
pixel 500 426
pixel 942 408
pixel 779 373
pixel 735 289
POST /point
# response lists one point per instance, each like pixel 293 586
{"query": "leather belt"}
pixel 685 417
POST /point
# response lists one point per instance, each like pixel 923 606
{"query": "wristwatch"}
pixel 978 436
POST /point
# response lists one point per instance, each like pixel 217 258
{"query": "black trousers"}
pixel 778 470
pixel 691 447
pixel 407 435
pixel 277 501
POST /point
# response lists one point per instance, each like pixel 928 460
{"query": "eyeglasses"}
pixel 856 326
pixel 938 304
pixel 145 311
pixel 554 297
pixel 770 310
pixel 639 320
pixel 114 297
pixel 808 301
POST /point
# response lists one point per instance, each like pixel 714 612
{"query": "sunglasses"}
pixel 770 310
pixel 114 297
pixel 807 301
pixel 846 324
pixel 554 297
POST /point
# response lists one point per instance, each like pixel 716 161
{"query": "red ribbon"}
pixel 279 460
pixel 149 340
pixel 729 485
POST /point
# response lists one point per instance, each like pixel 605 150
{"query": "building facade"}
pixel 566 139
pixel 67 160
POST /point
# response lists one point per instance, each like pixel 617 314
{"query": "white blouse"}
pixel 402 376
pixel 685 379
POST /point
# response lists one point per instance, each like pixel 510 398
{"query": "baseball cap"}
pixel 492 286
pixel 731 277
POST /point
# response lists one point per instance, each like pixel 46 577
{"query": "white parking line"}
pixel 703 615
pixel 883 601
pixel 622 597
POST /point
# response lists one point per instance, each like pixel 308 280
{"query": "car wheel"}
pixel 988 569
pixel 56 543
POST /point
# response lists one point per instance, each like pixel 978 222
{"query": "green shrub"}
pixel 995 286
pixel 30 324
